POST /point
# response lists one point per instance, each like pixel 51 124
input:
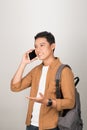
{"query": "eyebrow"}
pixel 40 43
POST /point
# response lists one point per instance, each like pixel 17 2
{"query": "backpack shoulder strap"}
pixel 58 78
pixel 61 67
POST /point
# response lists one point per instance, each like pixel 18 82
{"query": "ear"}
pixel 53 46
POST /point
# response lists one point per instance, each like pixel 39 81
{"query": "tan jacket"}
pixel 48 116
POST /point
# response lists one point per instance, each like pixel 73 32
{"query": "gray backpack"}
pixel 70 119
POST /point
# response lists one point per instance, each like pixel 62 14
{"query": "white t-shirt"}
pixel 36 107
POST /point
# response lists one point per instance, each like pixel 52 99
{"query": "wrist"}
pixel 23 64
pixel 54 104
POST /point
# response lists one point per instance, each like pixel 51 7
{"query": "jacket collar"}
pixel 55 62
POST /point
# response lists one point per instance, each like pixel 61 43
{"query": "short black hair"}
pixel 48 35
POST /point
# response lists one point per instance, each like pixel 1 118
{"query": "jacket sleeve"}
pixel 23 84
pixel 68 90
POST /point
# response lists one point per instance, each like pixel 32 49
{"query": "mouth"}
pixel 39 54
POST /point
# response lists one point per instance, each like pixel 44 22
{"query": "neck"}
pixel 47 62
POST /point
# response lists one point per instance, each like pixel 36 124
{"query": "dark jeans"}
pixel 31 127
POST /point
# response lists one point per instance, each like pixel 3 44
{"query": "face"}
pixel 43 48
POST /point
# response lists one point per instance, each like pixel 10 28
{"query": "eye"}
pixel 42 44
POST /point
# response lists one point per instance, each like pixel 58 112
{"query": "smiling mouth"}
pixel 39 54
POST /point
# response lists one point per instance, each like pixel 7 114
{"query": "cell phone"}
pixel 32 55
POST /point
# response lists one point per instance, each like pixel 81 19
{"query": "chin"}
pixel 41 58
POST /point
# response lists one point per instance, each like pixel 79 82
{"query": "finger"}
pixel 27 97
pixel 33 98
pixel 36 58
pixel 41 94
pixel 30 50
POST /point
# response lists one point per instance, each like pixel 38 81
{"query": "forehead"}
pixel 41 41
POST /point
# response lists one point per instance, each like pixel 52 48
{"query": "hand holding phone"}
pixel 32 55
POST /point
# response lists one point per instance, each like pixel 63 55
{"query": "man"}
pixel 43 106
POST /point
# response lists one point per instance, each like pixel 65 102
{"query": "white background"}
pixel 20 20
